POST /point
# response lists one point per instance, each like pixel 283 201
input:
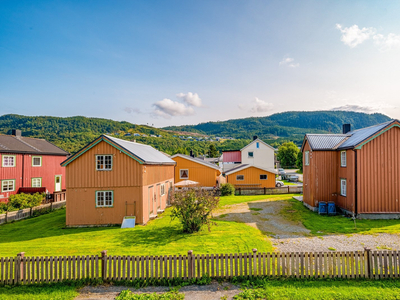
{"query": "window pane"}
pixel 36 161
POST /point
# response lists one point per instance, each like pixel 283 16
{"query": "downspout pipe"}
pixel 355 185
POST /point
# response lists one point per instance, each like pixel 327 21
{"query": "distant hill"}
pixel 286 126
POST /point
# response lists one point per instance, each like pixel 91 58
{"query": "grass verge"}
pixel 322 224
pixel 59 291
pixel 232 200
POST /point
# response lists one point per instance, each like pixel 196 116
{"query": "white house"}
pixel 258 153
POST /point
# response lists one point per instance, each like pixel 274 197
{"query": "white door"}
pixel 58 183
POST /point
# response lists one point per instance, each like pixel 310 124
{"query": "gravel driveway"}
pixel 289 236
pixel 212 291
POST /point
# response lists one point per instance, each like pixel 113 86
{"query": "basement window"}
pixel 104 198
pixel 343 187
pixel 239 177
pixel 103 162
pixel 343 159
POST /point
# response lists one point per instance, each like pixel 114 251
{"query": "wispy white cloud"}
pixel 167 108
pixel 130 110
pixel 289 62
pixel 257 106
pixel 192 99
pixel 353 36
pixel 355 107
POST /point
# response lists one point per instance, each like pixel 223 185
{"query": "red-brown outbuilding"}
pixel 358 170
pixel 29 164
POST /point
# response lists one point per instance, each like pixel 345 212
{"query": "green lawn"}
pixel 39 292
pixel 323 289
pixel 47 235
pixel 322 224
pixel 231 200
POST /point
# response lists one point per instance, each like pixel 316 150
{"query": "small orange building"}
pixel 251 176
pixel 112 178
pixel 358 170
pixel 195 169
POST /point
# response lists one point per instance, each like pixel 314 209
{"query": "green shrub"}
pixel 193 208
pixel 227 189
pixel 21 201
pixel 128 295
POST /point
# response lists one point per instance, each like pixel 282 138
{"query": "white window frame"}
pixel 162 190
pixel 103 194
pixel 104 156
pixel 237 179
pixel 180 173
pixel 266 175
pixel 307 158
pixel 8 183
pixel 8 156
pixel 36 178
pixel 343 188
pixel 252 154
pixel 343 159
pixel 33 159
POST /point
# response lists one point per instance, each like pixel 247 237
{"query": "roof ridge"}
pixel 26 143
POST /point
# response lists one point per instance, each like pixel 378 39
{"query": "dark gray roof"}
pixel 324 141
pixel 22 144
pixel 357 136
pixel 146 153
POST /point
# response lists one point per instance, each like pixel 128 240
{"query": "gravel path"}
pixel 289 236
pixel 213 291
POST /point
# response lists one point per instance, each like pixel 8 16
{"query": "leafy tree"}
pixel 287 154
pixel 299 161
pixel 212 152
pixel 193 208
pixel 21 201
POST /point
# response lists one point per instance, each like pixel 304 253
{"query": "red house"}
pixel 28 163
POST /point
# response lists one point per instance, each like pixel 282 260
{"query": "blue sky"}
pixel 186 62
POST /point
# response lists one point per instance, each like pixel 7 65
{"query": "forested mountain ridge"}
pixel 286 126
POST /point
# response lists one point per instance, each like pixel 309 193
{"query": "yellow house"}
pixel 195 169
pixel 251 176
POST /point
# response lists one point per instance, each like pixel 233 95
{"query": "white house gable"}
pixel 258 153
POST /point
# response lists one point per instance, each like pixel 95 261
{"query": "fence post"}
pixel 240 191
pixel 19 268
pixel 30 212
pixel 51 206
pixel 254 262
pixel 190 264
pixel 265 190
pixel 104 265
pixel 6 216
pixel 368 254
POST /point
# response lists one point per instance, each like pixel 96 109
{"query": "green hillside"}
pixel 286 126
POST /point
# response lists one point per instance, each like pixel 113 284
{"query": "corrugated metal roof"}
pixel 324 141
pixel 198 160
pixel 358 136
pixel 21 144
pixel 145 153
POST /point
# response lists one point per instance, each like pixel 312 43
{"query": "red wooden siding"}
pixel 232 156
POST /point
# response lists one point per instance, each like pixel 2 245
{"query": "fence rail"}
pixel 294 189
pixel 357 264
pixel 28 212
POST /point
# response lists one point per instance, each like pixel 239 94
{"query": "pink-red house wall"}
pixel 23 172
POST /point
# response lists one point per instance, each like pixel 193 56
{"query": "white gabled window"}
pixel 8 185
pixel 37 182
pixel 343 187
pixel 184 174
pixel 36 161
pixel 104 198
pixel 343 159
pixel 162 190
pixel 9 160
pixel 307 158
pixel 103 162
pixel 239 177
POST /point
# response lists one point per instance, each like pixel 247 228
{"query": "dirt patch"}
pixel 192 292
pixel 267 219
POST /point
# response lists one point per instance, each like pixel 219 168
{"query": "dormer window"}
pixel 103 162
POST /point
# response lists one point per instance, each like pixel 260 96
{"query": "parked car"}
pixel 279 183
pixel 293 178
pixel 282 173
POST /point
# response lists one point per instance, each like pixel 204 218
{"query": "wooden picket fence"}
pixel 349 264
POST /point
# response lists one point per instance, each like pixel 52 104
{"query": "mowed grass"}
pixel 232 200
pixel 324 289
pixel 39 292
pixel 323 224
pixel 47 235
